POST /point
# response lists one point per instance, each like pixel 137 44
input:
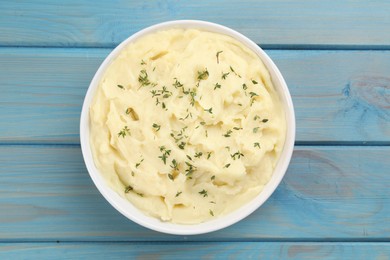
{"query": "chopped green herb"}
pixel 256 129
pixel 217 86
pixel 198 155
pixel 154 93
pixel 190 169
pixel 174 165
pixel 253 94
pixel 232 70
pixel 178 193
pixel 264 120
pixel 202 123
pixel 163 105
pixel 124 132
pixel 203 192
pixel 139 163
pixel 192 96
pixel 120 86
pixel 170 176
pixel 208 155
pixel 213 202
pixel 132 173
pixel 189 157
pixel 207 133
pixel 237 154
pixel 237 128
pixel 202 75
pixel 182 145
pixel 212 177
pixel 211 212
pixel 143 62
pixel 177 83
pixel 143 78
pixel 165 154
pixel 254 82
pixel 228 133
pixel 224 75
pixel 139 194
pixel 244 86
pixel 227 165
pixel 210 110
pixel 219 52
pixel 156 127
pixel 256 117
pixel 256 145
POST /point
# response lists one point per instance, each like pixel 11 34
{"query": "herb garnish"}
pixel 212 177
pixel 198 155
pixel 232 70
pixel 202 75
pixel 210 110
pixel 256 145
pixel 165 154
pixel 177 83
pixel 139 163
pixel 265 120
pixel 178 193
pixel 143 78
pixel 170 176
pixel 253 94
pixel 244 86
pixel 124 132
pixel 255 129
pixel 217 86
pixel 219 52
pixel 228 133
pixel 227 165
pixel 208 155
pixel 120 86
pixel 254 82
pixel 174 165
pixel 156 127
pixel 203 192
pixel 237 154
pixel 224 75
pixel 143 62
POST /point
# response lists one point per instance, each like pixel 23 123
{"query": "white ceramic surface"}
pixel 131 212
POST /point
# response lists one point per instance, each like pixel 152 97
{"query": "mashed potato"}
pixel 186 125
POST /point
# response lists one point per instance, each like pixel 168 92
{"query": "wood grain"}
pixel 105 24
pixel 339 96
pixel 227 250
pixel 337 193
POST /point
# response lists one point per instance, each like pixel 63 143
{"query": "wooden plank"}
pixel 339 96
pixel 332 193
pixel 88 23
pixel 231 250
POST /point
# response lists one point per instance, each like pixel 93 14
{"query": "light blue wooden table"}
pixel 334 201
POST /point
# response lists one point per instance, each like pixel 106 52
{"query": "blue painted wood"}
pixel 235 250
pixel 92 23
pixel 328 193
pixel 339 96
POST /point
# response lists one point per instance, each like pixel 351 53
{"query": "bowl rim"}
pixel 124 206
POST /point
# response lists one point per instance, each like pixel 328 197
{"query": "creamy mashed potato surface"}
pixel 186 125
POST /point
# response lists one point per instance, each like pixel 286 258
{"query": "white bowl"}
pixel 133 213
